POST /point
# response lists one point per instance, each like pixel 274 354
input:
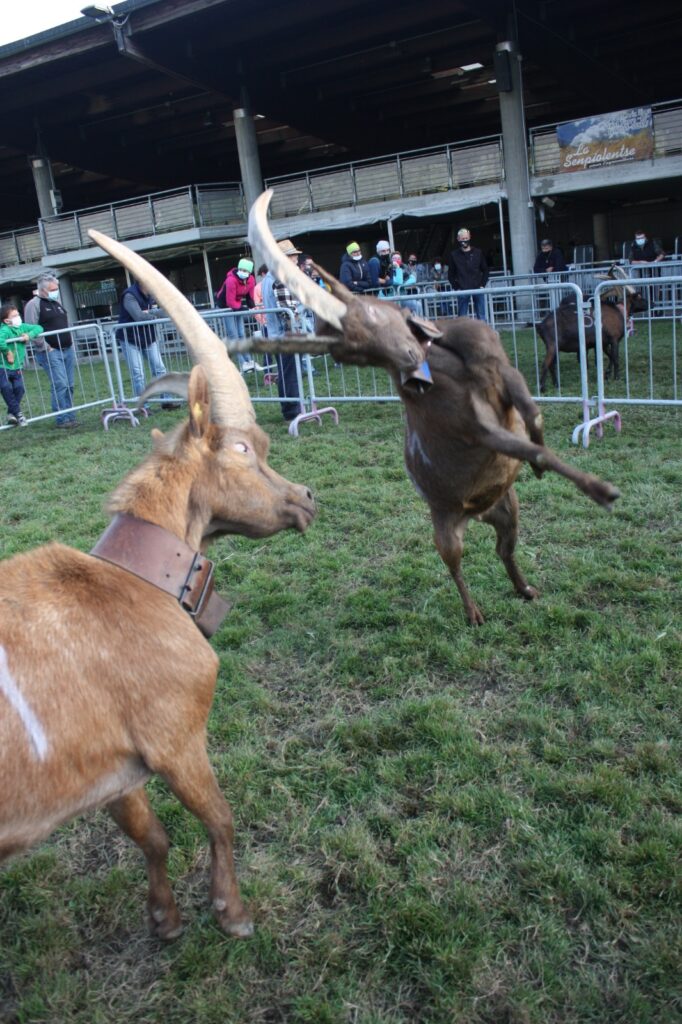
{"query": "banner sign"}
pixel 606 139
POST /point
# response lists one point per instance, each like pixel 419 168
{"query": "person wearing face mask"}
pixel 55 353
pixel 237 289
pixel 467 269
pixel 437 281
pixel 645 250
pixel 13 338
pixel 354 270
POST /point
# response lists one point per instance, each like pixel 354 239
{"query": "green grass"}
pixel 435 823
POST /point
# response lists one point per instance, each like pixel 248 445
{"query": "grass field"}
pixel 435 823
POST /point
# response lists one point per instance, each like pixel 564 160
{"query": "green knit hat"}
pixel 352 247
pixel 246 265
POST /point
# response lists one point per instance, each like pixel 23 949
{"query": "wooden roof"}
pixel 334 81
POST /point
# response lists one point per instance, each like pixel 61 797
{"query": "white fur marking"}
pixel 414 443
pixel 29 720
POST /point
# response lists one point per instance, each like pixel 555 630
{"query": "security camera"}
pixel 100 12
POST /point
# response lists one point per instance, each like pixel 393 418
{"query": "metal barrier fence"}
pixel 59 384
pixel 650 367
pixel 108 375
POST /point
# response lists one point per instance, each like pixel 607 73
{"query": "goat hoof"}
pixel 168 928
pixel 529 593
pixel 238 929
pixel 475 616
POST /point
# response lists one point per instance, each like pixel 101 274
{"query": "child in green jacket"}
pixel 13 338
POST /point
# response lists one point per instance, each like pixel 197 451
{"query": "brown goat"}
pixel 559 329
pixel 104 677
pixel 468 434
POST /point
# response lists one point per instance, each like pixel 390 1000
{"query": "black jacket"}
pixel 467 269
pixel 545 260
pixel 355 274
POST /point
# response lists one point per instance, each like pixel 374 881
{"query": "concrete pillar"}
pixel 207 272
pixel 522 233
pixel 67 299
pixel 600 234
pixel 249 159
pixel 44 183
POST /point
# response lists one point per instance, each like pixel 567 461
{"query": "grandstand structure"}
pixel 157 121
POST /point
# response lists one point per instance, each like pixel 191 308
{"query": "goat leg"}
pixel 521 398
pixel 134 815
pixel 504 517
pixel 191 778
pixel 448 534
pixel 497 439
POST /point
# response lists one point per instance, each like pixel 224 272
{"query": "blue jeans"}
pixel 234 325
pixel 12 389
pixel 134 358
pixel 479 305
pixel 59 365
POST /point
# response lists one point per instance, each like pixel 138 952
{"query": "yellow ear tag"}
pixel 197 410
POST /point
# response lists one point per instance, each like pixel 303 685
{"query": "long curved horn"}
pixel 230 400
pixel 326 306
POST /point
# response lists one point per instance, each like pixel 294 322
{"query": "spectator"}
pixel 437 281
pixel 55 355
pixel 381 267
pixel 354 271
pixel 276 293
pixel 467 269
pixel 403 278
pixel 237 293
pixel 645 250
pixel 13 338
pixel 550 260
pixel 138 341
pixel 420 270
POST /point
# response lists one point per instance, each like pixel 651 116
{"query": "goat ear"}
pixel 199 402
pixel 423 330
pixel 157 438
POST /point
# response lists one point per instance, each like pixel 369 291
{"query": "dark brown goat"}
pixel 468 434
pixel 559 329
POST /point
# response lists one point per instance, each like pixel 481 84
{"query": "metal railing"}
pixel 396 176
pixel 157 213
pixel 22 246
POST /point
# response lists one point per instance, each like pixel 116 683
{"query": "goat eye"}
pixel 241 447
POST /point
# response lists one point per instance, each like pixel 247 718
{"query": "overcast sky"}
pixel 26 19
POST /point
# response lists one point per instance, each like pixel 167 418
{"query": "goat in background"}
pixel 559 329
pixel 468 432
pixel 109 681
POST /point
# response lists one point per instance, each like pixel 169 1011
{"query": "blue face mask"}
pixel 54 295
pixel 640 241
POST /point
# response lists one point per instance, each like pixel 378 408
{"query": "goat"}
pixel 467 433
pixel 559 329
pixel 108 680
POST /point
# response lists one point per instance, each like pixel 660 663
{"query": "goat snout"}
pixel 303 508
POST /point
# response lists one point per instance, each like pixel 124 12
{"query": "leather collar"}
pixel 162 559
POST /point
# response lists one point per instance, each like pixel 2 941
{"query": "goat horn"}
pixel 231 403
pixel 326 306
pixel 618 271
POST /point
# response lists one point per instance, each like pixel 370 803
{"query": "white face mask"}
pixel 356 255
pixel 640 239
pixel 15 320
pixel 437 267
pixel 54 295
pixel 243 274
